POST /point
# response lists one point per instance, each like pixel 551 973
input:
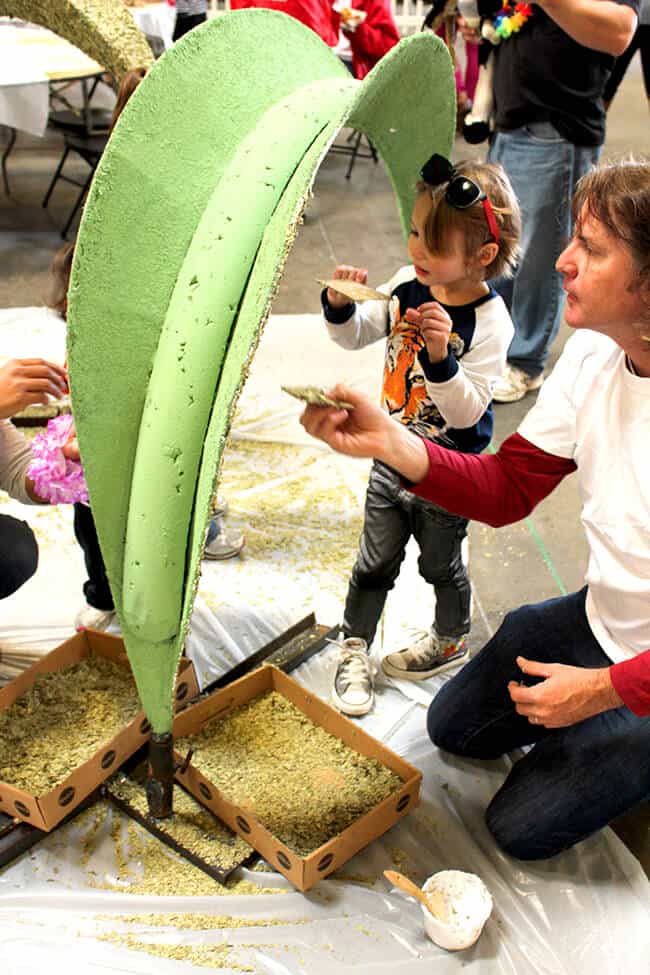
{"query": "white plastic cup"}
pixel 469 905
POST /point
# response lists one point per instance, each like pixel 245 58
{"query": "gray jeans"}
pixel 392 515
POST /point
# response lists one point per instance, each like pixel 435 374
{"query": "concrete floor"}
pixel 356 222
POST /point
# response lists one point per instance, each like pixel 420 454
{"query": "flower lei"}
pixel 56 478
pixel 511 18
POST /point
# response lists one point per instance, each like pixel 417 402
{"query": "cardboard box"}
pixel 303 872
pixel 46 811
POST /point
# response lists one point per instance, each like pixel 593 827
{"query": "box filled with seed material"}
pixel 68 723
pixel 305 786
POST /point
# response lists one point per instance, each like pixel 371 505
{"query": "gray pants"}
pixel 392 515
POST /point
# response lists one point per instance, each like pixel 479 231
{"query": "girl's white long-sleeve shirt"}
pixel 449 401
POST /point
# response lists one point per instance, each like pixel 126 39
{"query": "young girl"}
pixel 447 337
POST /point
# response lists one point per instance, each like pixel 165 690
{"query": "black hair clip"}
pixel 437 170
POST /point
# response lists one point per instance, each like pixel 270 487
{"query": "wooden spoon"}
pixel 434 902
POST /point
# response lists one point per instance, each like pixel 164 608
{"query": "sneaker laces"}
pixel 424 649
pixel 354 668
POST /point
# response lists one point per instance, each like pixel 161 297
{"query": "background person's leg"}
pixel 18 554
pixel 96 588
pixel 539 163
pixel 187 22
pixel 571 784
pixel 543 168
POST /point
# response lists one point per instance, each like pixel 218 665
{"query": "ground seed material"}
pixel 207 956
pixel 144 865
pixel 196 922
pixel 271 759
pixel 62 720
pixel 191 825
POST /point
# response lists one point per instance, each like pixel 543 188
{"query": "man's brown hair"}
pixel 443 218
pixel 618 196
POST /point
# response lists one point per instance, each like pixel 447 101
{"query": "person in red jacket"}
pixel 315 14
pixel 368 27
pixel 570 676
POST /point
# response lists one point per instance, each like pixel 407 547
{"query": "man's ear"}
pixel 488 253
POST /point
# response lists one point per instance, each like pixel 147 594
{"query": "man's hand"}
pixel 361 432
pixel 344 272
pixel 435 326
pixel 367 431
pixel 566 696
pixel 27 381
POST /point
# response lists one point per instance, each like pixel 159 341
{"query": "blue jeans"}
pixel 574 780
pixel 543 169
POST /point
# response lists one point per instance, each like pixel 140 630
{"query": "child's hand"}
pixel 344 272
pixel 435 327
pixel 70 448
pixel 27 381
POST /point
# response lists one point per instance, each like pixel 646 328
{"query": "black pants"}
pixel 186 22
pixel 392 515
pixel 18 554
pixel 96 589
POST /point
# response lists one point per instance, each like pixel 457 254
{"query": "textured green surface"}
pixel 102 29
pixel 191 216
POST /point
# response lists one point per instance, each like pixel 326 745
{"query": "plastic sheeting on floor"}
pixel 68 905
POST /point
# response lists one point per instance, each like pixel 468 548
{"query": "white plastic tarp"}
pixel 582 913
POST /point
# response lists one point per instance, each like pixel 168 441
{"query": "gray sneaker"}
pixel 431 655
pixel 224 545
pixel 353 691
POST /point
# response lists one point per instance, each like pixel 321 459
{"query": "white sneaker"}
pixel 225 545
pixel 431 655
pixel 353 691
pixel 89 618
pixel 514 384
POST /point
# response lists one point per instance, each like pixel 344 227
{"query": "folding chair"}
pixel 353 149
pixel 89 148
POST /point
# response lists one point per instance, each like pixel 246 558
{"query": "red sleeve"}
pixel 631 680
pixel 315 14
pixel 494 488
pixel 377 34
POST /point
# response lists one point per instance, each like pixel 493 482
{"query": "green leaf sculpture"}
pixel 187 227
pixel 102 29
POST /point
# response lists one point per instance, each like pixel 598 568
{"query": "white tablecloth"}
pixel 31 57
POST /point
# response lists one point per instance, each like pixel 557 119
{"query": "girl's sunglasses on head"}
pixel 462 192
